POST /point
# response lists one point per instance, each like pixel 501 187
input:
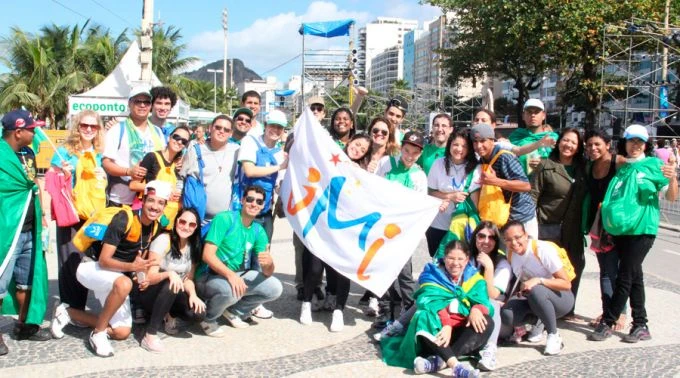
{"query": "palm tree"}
pixel 167 62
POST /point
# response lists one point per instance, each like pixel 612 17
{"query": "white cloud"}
pixel 411 9
pixel 268 42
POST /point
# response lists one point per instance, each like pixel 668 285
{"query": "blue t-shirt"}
pixel 72 160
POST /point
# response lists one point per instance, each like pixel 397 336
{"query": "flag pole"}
pixel 42 136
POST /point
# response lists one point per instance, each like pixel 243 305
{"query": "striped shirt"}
pixel 508 167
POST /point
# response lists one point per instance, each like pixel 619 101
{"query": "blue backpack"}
pixel 265 157
pixel 194 189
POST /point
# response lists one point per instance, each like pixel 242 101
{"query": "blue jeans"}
pixel 19 266
pixel 218 296
pixel 609 270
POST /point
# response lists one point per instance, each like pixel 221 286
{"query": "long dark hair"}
pixel 495 235
pixel 579 156
pixel 471 158
pixel 194 241
pixel 364 160
pixel 331 127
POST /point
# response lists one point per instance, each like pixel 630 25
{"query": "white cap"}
pixel 636 131
pixel 140 89
pixel 276 117
pixel 161 189
pixel 533 103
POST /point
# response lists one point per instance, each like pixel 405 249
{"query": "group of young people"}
pixel 188 223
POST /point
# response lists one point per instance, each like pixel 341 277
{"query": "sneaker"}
pixel 60 318
pixel 487 362
pixel 3 347
pixel 536 333
pixel 373 309
pixel 152 343
pixel 234 320
pixel 140 316
pixel 306 313
pixel 553 344
pixel 170 325
pixel 338 322
pixel 363 301
pixel 517 335
pixel 32 332
pixel 329 303
pixel 300 294
pixel 319 293
pixel 262 313
pixel 381 322
pixel 601 333
pixel 464 371
pixel 393 329
pixel 431 364
pixel 99 341
pixel 212 329
pixel 638 333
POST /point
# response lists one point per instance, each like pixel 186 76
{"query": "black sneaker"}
pixel 300 293
pixel 3 347
pixel 601 332
pixel 381 321
pixel 363 301
pixel 32 332
pixel 638 333
pixel 319 294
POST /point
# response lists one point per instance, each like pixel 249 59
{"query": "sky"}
pixel 261 33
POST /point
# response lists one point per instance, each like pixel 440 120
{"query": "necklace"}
pixel 219 161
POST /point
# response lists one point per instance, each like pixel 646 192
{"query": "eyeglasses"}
pixel 222 128
pixel 89 126
pixel 316 107
pixel 483 236
pixel 380 131
pixel 142 102
pixel 243 119
pixel 183 222
pixel 179 139
pixel 259 201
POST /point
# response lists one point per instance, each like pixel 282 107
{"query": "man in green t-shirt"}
pixel 442 127
pixel 227 280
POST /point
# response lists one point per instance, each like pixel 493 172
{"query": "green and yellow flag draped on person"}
pixel 16 190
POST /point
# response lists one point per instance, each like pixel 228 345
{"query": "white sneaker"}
pixel 338 322
pixel 393 329
pixel 329 303
pixel 373 308
pixel 536 333
pixel 234 320
pixel 431 364
pixel 60 318
pixel 170 326
pixel 99 341
pixel 553 344
pixel 487 362
pixel 212 329
pixel 262 313
pixel 306 313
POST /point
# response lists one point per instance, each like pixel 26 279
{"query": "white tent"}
pixel 110 97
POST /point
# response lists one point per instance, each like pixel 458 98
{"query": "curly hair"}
pixel 163 92
pixel 73 142
pixel 331 127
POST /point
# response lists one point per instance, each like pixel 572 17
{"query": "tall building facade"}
pixel 376 37
pixel 386 68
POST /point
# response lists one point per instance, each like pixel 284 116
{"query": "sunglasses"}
pixel 183 222
pixel 221 128
pixel 482 236
pixel 142 102
pixel 259 201
pixel 380 131
pixel 243 119
pixel 316 107
pixel 179 139
pixel 89 126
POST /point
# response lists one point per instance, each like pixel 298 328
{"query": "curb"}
pixel 668 226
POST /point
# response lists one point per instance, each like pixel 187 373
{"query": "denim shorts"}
pixel 20 265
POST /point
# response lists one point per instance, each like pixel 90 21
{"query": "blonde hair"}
pixel 73 143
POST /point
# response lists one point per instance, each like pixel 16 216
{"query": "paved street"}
pixel 283 347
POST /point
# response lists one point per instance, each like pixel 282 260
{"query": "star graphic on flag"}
pixel 335 159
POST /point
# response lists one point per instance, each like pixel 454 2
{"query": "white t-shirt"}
pixel 439 180
pixel 257 129
pixel 502 274
pixel 161 247
pixel 152 139
pixel 527 266
pixel 418 177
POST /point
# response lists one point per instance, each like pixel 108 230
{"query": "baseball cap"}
pixel 160 189
pixel 19 119
pixel 316 100
pixel 139 89
pixel 276 117
pixel 534 103
pixel 482 131
pixel 399 103
pixel 414 138
pixel 636 131
pixel 245 111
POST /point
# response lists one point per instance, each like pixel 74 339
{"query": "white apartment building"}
pixel 376 37
pixel 386 68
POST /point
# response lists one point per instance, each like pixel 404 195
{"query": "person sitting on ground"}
pixel 169 291
pixel 225 278
pixel 544 289
pixel 454 317
pixel 106 269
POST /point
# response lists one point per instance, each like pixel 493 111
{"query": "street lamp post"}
pixel 215 72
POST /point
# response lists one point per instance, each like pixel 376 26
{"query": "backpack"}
pixel 264 157
pixel 167 174
pixel 561 252
pixel 194 189
pixel 94 229
pixel 492 206
pixel 89 192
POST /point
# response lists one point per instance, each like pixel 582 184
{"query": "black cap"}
pixel 399 103
pixel 413 137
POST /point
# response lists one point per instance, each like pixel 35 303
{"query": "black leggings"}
pixel 465 341
pixel 158 300
pixel 312 273
pixel 434 237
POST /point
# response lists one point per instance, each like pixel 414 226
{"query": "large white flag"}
pixel 360 224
